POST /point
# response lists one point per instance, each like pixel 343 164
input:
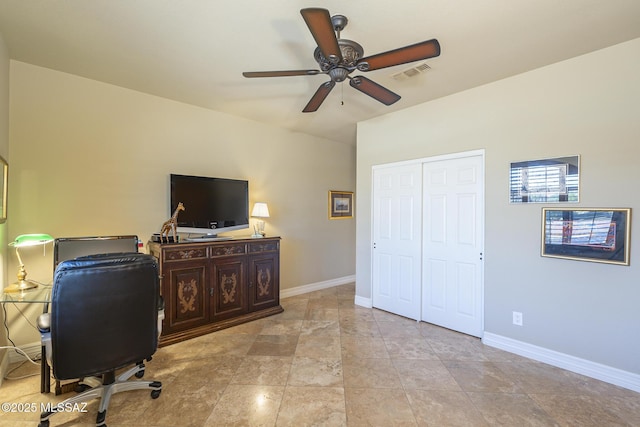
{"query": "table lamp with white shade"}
pixel 260 210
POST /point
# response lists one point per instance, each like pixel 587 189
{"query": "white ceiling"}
pixel 194 51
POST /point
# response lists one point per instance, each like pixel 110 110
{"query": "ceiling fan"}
pixel 340 57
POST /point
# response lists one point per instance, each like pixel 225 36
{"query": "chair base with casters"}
pixel 103 390
pixel 106 316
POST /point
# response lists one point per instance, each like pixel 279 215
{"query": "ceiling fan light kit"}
pixel 338 58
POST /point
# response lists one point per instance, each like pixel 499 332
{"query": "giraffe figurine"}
pixel 171 224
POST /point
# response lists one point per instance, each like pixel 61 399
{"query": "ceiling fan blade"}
pixel 318 97
pixel 411 53
pixel 251 74
pixel 319 22
pixel 374 90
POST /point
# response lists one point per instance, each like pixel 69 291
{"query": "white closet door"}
pixel 397 234
pixel 453 203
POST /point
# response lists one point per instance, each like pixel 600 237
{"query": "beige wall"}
pixel 586 106
pixel 90 159
pixel 4 152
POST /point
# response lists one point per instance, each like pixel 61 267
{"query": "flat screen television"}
pixel 212 205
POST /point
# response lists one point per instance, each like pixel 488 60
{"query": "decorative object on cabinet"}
pixel 208 286
pixel 22 241
pixel 597 235
pixel 260 210
pixel 340 204
pixel 545 180
pixel 171 224
pixel 4 186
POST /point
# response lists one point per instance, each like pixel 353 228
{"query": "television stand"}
pixel 208 286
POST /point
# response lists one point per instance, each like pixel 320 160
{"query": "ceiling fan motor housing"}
pixel 351 53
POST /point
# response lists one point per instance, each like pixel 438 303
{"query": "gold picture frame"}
pixel 587 234
pixel 340 204
pixel 5 186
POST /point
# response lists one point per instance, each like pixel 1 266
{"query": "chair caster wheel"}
pixel 140 374
pixel 155 394
pixel 79 388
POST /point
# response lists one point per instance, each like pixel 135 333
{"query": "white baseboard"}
pixel 33 350
pixel 591 369
pixel 304 289
pixel 11 356
pixel 363 302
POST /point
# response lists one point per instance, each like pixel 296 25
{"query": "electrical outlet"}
pixel 517 318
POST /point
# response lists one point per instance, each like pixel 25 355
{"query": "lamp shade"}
pixel 31 240
pixel 22 241
pixel 260 210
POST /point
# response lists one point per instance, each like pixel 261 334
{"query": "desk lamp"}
pixel 260 210
pixel 22 241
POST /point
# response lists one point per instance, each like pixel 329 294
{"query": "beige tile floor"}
pixel 327 362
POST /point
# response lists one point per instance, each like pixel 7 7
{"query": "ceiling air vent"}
pixel 411 72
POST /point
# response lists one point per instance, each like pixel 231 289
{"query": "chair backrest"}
pixel 104 311
pixel 65 248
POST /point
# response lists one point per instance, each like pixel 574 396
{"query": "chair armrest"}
pixel 44 326
pixel 160 314
pixel 44 323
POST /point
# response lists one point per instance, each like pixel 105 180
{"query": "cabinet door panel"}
pixel 185 294
pixel 263 281
pixel 229 297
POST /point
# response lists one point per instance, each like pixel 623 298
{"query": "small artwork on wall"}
pixel 553 180
pixel 340 204
pixel 597 235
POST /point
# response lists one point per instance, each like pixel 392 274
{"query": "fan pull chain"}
pixel 341 94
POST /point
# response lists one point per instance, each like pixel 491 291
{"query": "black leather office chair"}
pixel 106 314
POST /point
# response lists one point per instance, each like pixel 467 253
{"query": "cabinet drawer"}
pixel 269 246
pixel 184 254
pixel 228 249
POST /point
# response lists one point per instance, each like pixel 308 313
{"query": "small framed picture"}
pixel 340 204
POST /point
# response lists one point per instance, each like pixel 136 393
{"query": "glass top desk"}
pixel 39 295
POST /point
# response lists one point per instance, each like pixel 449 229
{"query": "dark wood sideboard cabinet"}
pixel 208 286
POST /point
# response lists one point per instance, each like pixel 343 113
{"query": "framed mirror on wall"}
pixel 4 186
